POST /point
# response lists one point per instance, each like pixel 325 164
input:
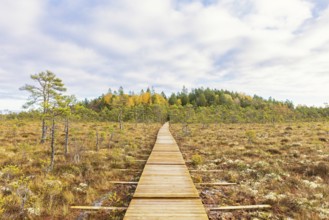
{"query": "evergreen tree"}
pixel 44 95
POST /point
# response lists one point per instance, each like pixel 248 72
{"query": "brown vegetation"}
pixel 284 165
pixel 97 152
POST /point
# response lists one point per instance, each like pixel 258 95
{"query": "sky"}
pixel 276 49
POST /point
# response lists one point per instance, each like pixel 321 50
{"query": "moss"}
pixel 197 160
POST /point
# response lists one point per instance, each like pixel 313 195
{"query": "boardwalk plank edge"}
pixel 98 208
pixel 223 208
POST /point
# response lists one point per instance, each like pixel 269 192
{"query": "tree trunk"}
pixel 110 140
pixel 185 129
pixel 44 131
pixel 52 146
pixel 97 142
pixel 66 146
pixel 136 119
pixel 120 119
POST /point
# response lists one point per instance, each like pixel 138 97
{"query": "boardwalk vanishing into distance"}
pixel 165 189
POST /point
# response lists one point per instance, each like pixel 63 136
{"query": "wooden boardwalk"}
pixel 165 189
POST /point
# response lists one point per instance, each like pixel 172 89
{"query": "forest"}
pixel 202 105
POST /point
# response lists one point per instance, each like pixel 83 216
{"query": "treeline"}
pixel 202 105
pixel 199 105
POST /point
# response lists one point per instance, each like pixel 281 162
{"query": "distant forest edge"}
pixel 201 105
pixel 198 105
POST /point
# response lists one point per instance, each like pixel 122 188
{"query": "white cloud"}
pixel 279 14
pixel 19 17
pixel 270 48
pixel 315 34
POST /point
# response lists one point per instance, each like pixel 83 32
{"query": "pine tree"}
pixel 44 95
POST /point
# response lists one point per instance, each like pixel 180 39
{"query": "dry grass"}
pixel 285 165
pixel 29 191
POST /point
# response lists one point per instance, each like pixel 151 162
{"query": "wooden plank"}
pixel 132 170
pixel 165 141
pixel 166 158
pixel 165 148
pixel 227 208
pixel 98 208
pixel 165 181
pixel 166 209
pixel 206 171
pixel 165 189
pixel 141 161
pixel 124 183
pixel 216 184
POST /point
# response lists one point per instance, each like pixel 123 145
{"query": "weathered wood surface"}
pixel 98 208
pixel 124 182
pixel 216 184
pixel 207 171
pixel 172 209
pixel 228 208
pixel 165 189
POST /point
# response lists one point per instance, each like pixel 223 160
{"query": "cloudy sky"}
pixel 270 48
